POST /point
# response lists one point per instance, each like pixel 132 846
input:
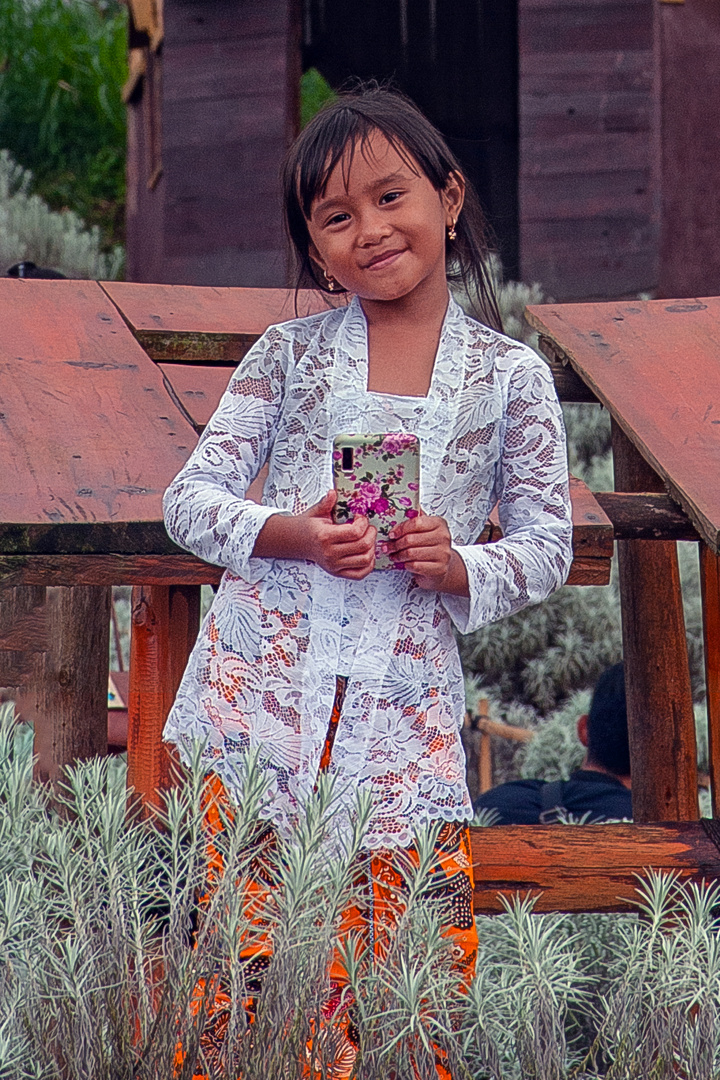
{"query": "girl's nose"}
pixel 374 227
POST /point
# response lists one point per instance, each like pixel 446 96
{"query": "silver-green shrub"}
pixel 30 230
pixel 101 951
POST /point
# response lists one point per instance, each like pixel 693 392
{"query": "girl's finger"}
pixel 354 547
pixel 427 539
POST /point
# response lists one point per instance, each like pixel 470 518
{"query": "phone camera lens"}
pixel 347 458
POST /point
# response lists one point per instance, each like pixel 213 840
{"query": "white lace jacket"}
pixel 263 670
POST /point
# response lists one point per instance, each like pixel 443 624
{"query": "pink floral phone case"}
pixel 377 476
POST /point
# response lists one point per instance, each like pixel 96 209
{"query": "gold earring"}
pixel 330 281
pixel 452 234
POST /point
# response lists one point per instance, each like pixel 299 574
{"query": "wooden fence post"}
pixel 67 695
pixel 165 624
pixel 661 723
pixel 710 584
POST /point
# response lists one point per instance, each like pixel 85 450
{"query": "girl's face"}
pixel 380 230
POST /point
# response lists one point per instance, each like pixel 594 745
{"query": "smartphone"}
pixel 378 477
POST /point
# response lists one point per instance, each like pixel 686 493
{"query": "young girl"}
pixel 308 652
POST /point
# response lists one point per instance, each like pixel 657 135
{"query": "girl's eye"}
pixel 390 196
pixel 337 219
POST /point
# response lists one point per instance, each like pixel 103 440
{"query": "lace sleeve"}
pixel 533 558
pixel 205 506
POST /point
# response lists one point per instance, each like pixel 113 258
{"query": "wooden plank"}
pixel 196 388
pixel 661 723
pixel 710 585
pixel 585 26
pixel 145 537
pixel 67 697
pixel 199 324
pixel 592 868
pixel 165 623
pixel 688 102
pixel 571 195
pixel 23 620
pixel 89 432
pixel 181 569
pixel 654 365
pixel 645 516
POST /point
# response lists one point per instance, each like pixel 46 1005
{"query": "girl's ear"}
pixel 317 257
pixel 453 196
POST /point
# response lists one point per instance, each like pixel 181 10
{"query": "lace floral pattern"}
pixel 263 671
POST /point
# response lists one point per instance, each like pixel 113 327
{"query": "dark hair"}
pixel 350 120
pixel 607 723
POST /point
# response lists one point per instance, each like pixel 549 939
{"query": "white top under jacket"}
pixel 263 671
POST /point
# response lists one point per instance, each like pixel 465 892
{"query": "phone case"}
pixel 377 476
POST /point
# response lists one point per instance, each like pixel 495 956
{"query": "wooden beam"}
pixel 710 586
pixel 165 624
pixel 645 516
pixel 67 697
pixel 111 569
pixel 592 868
pixel 568 384
pixel 661 723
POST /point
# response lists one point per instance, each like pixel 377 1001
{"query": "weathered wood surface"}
pixel 586 139
pixel 687 42
pixel 66 696
pixel 710 585
pixel 165 623
pixel 89 432
pixel 174 569
pixel 661 723
pixel 645 516
pixel 588 868
pixel 142 552
pixel 196 389
pixel 23 632
pixel 219 111
pixel 655 365
pixel 195 324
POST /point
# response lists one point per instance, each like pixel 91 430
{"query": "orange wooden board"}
pixel 592 868
pixel 655 365
pixel 201 323
pixel 197 388
pixel 88 431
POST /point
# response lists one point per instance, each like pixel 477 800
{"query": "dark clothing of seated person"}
pixel 599 790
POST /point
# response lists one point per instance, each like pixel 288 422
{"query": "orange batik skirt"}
pixel 379 882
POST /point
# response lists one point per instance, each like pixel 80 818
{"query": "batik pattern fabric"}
pixel 380 890
pixel 262 673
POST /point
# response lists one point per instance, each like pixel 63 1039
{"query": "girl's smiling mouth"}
pixel 385 259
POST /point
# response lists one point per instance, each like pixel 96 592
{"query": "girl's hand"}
pixel 424 545
pixel 346 551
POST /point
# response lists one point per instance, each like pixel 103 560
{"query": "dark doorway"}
pixel 458 60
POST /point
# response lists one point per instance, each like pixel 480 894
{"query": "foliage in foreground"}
pixel 62 67
pixel 98 972
pixel 30 230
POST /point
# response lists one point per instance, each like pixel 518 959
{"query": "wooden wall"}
pixel 588 213
pixel 209 124
pixel 688 56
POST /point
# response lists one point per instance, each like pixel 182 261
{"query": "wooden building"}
pixel 570 116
